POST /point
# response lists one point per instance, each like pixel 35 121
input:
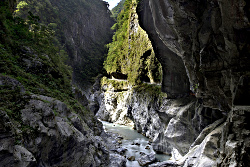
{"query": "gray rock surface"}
pixel 49 133
pixel 210 38
pixel 165 164
pixel 85 33
pixel 146 159
pixel 167 122
pixel 117 160
pixel 12 83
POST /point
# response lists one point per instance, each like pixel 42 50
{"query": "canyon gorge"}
pixel 176 71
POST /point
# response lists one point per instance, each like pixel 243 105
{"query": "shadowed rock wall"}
pixel 175 81
pixel 211 39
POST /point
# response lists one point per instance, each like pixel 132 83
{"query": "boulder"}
pixel 117 160
pixel 146 159
pixel 12 83
pixel 50 134
pixel 132 158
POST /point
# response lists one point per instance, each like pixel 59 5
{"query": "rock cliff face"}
pixel 48 133
pixel 168 122
pixel 82 29
pixel 86 28
pixel 131 55
pixel 210 39
pixel 41 121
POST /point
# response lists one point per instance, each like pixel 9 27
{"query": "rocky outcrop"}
pixel 41 121
pixel 234 142
pixel 210 39
pixel 86 28
pixel 175 81
pixel 131 56
pixel 146 159
pixel 170 123
pixel 48 133
pixel 117 160
pixel 81 28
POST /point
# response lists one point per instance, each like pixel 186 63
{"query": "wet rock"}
pixel 174 123
pixel 121 150
pixel 146 159
pixel 120 137
pixel 165 164
pixel 117 160
pixel 132 158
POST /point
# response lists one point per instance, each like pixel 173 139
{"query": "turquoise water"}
pixel 134 142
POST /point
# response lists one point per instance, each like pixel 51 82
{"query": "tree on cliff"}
pixel 131 52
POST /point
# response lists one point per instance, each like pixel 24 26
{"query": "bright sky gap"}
pixel 112 3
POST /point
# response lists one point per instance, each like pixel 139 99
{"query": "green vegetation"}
pixel 150 90
pixel 28 54
pixel 117 9
pixel 118 85
pixel 60 17
pixel 131 52
pixel 26 41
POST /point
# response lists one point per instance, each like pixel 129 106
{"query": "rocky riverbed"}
pixel 135 147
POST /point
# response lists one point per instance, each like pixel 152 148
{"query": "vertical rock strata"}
pixel 48 133
pixel 211 38
pixel 86 28
pixel 41 123
pixel 82 29
pixel 167 122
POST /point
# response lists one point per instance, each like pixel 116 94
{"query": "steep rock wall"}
pixel 169 123
pixel 82 29
pixel 41 123
pixel 86 30
pixel 131 55
pixel 175 81
pixel 211 39
pixel 50 134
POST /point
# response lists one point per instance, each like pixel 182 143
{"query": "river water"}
pixel 134 142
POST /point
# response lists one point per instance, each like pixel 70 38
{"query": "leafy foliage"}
pixel 27 54
pixel 30 53
pixel 60 16
pixel 131 52
pixel 117 9
pixel 118 85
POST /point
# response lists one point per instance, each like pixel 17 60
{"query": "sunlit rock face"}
pixel 211 38
pixel 169 123
pixel 46 132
